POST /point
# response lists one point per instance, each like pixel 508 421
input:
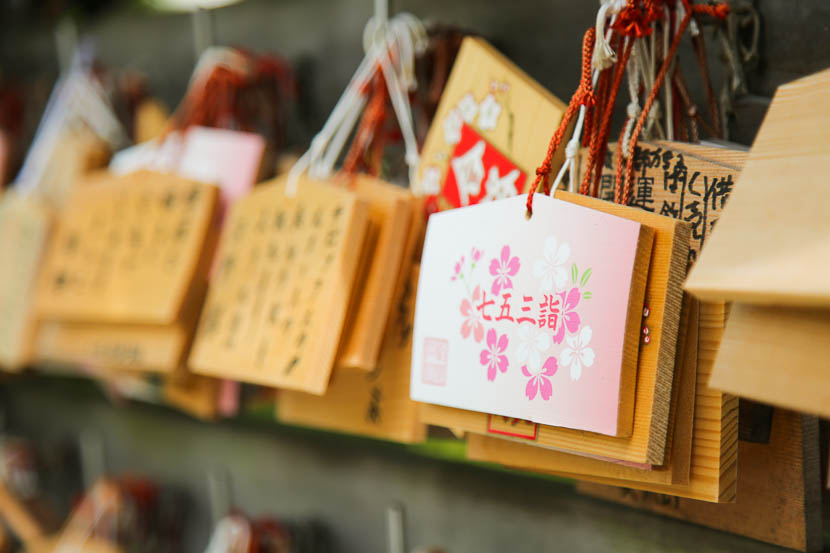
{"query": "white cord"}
pixel 406 37
pixel 604 56
pixel 600 62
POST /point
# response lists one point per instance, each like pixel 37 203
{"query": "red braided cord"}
pixel 658 82
pixel 591 129
pixel 719 11
pixel 594 169
pixel 371 121
pixel 582 96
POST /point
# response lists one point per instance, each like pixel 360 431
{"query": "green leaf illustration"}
pixel 586 295
pixel 574 273
pixel 585 276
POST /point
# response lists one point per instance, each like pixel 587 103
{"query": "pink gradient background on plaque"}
pixel 605 243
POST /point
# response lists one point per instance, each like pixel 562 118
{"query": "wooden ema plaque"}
pixel 390 218
pixel 24 230
pixel 192 394
pixel 655 365
pixel 127 251
pixel 126 272
pixel 763 254
pixel 671 175
pixel 714 462
pixel 376 404
pixel 115 346
pixel 77 152
pixel 682 181
pixel 489 132
pixel 770 260
pixel 558 338
pixel 778 490
pixel 776 355
pixel 495 449
pixel 286 268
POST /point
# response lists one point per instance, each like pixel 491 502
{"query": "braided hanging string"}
pixel 711 99
pixel 634 21
pixel 599 139
pixel 236 89
pixel 584 95
pixel 214 104
pixel 623 193
pixel 369 141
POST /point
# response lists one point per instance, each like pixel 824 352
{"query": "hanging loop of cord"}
pixel 584 96
pixel 719 11
pixel 391 47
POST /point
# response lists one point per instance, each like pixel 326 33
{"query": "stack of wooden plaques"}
pixel 126 272
pixel 387 254
pixel 233 160
pixel 770 258
pixel 768 491
pixel 685 434
pixel 376 404
pixel 286 271
pixel 26 220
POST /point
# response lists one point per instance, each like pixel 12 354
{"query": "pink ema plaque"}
pixel 526 318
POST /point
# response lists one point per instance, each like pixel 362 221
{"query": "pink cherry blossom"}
pixel 539 382
pixel 472 322
pixel 458 266
pixel 503 269
pixel 475 254
pixel 569 319
pixel 492 357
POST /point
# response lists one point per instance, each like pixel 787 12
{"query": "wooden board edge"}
pixel 667 355
pixel 631 343
pixel 351 354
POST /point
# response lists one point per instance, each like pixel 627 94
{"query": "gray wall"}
pixel 323 39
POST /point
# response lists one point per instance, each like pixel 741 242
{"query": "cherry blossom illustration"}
pixel 540 380
pixel 475 255
pixel 503 268
pixel 498 188
pixel 472 320
pixel 493 356
pixel 489 112
pixel 533 342
pixel 550 267
pixel 431 181
pixel 577 354
pixel 453 122
pixel 468 108
pixel 459 266
pixel 568 319
pixel 469 172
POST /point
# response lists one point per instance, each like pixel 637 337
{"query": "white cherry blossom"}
pixel 577 354
pixel 500 187
pixel 431 181
pixel 550 267
pixel 452 126
pixel 489 112
pixel 468 107
pixel 533 342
